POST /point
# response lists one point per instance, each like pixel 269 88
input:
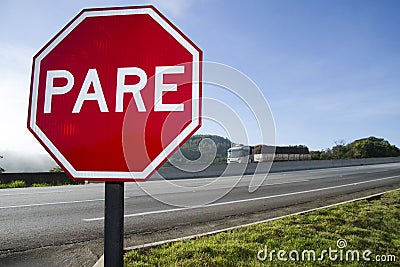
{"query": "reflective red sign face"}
pixel 115 93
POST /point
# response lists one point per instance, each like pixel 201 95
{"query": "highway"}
pixel 64 224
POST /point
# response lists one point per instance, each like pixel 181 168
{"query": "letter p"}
pixel 56 90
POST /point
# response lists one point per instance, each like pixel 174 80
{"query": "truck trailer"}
pixel 262 153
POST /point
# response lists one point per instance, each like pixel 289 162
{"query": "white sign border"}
pixel 114 175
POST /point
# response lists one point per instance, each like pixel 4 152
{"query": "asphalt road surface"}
pixel 53 218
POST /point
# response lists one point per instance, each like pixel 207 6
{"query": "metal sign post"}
pixel 114 225
pixel 97 51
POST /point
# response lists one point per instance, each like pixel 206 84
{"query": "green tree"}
pixel 340 150
pixel 1 169
pixel 327 154
pixel 56 169
pixel 315 154
pixel 370 147
pixel 190 149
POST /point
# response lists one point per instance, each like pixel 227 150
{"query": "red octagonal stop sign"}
pixel 115 93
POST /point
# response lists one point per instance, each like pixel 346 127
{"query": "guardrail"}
pixel 212 171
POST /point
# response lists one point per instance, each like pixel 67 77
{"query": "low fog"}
pixel 13 161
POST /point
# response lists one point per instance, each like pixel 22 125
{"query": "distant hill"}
pixel 191 151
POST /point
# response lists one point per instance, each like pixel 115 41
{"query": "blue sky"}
pixel 330 70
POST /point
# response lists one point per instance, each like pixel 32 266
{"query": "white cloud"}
pixel 15 68
pixel 15 73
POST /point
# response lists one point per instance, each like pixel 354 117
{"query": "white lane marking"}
pixel 287 182
pixel 243 200
pixel 53 203
pixel 36 193
pixel 140 214
pixel 148 245
pixel 324 170
pixel 21 191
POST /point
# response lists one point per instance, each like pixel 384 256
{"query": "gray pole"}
pixel 114 225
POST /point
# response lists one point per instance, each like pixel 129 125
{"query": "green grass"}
pixel 366 225
pixel 20 184
pixel 44 185
pixel 13 184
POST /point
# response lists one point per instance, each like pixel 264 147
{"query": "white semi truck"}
pixel 240 154
pixel 261 153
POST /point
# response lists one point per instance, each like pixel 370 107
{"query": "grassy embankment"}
pixel 372 225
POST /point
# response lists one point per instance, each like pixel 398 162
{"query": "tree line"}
pixel 371 147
